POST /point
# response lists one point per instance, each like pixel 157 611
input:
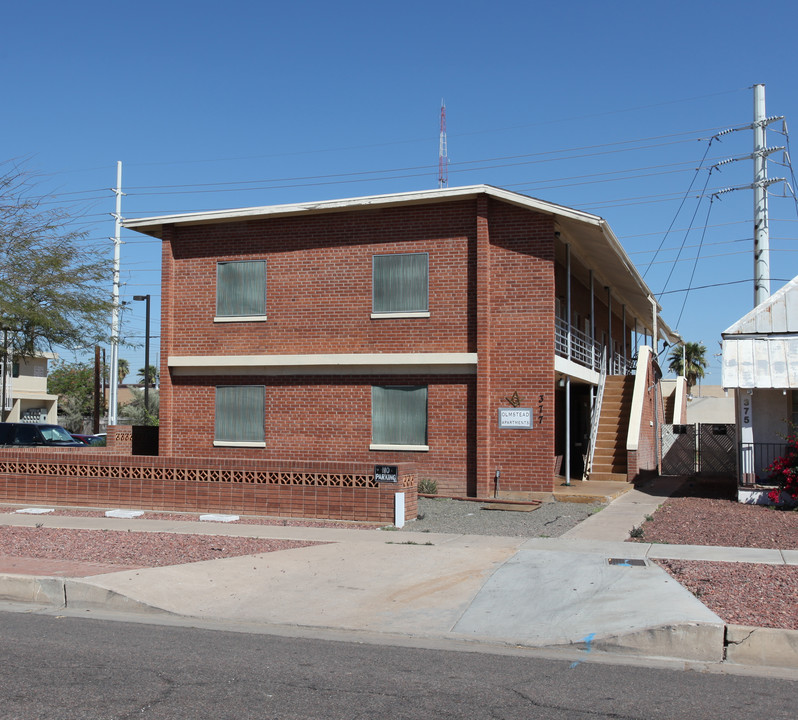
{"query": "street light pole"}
pixel 146 298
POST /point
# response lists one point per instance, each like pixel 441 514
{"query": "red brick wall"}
pixel 519 354
pixel 101 478
pixel 312 418
pixel 319 282
pixel 491 292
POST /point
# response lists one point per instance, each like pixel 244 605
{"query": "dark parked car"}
pixel 96 440
pixel 35 435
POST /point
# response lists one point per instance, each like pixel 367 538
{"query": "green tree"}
pixel 152 376
pixel 693 357
pixel 54 284
pixel 74 385
pixel 134 411
pixel 123 368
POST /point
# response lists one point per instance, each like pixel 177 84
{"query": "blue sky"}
pixel 605 107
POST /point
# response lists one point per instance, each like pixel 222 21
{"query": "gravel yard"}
pixel 705 512
pixel 551 519
pixel 131 549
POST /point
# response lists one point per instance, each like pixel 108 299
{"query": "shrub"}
pixel 784 470
pixel 427 487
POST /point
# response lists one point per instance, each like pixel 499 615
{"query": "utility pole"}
pixel 761 229
pixel 95 427
pixel 760 187
pixel 113 400
pixel 6 388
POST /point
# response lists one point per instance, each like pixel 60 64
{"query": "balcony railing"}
pixel 584 351
pixel 754 458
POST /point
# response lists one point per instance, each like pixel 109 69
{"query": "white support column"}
pixel 568 297
pixel 745 421
pixel 567 430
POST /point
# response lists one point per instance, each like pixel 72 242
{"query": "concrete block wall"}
pixel 103 479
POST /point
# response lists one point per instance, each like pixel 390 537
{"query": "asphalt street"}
pixel 68 668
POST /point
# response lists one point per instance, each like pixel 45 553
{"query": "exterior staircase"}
pixel 609 458
pixel 670 407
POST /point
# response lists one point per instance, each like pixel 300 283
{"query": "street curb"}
pixel 69 593
pixel 696 642
pixel 768 647
pixel 32 589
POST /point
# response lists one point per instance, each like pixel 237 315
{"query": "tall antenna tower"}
pixel 443 153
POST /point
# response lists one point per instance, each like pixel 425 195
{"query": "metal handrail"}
pixel 594 417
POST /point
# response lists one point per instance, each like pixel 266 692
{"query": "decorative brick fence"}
pixel 102 477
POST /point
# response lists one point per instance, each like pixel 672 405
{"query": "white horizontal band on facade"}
pixel 323 364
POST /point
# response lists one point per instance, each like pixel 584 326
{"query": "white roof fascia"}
pixel 421 196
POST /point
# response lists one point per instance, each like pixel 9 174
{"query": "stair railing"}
pixel 595 416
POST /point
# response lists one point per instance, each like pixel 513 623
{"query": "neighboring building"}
pixel 711 404
pixel 27 399
pixel 431 327
pixel 760 363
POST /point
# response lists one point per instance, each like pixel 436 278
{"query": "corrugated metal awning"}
pixel 760 361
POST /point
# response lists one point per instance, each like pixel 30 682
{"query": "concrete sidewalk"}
pixel 585 591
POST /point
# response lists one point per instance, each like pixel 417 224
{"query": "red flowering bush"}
pixel 784 470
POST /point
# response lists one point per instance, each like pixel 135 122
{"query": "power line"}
pixel 721 284
pixel 681 205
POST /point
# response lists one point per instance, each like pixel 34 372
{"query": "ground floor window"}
pixel 239 418
pixel 399 417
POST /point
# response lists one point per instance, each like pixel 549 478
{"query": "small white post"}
pixel 399 510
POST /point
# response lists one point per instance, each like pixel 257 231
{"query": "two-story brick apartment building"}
pixel 432 327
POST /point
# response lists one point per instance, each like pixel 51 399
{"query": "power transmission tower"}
pixel 760 187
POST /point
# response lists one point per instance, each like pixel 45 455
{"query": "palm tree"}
pixel 152 376
pixel 123 368
pixel 692 353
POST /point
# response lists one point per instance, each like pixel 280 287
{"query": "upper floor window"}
pixel 400 284
pixel 241 290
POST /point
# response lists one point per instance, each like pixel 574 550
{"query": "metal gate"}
pixel 717 448
pixel 699 448
pixel 679 451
